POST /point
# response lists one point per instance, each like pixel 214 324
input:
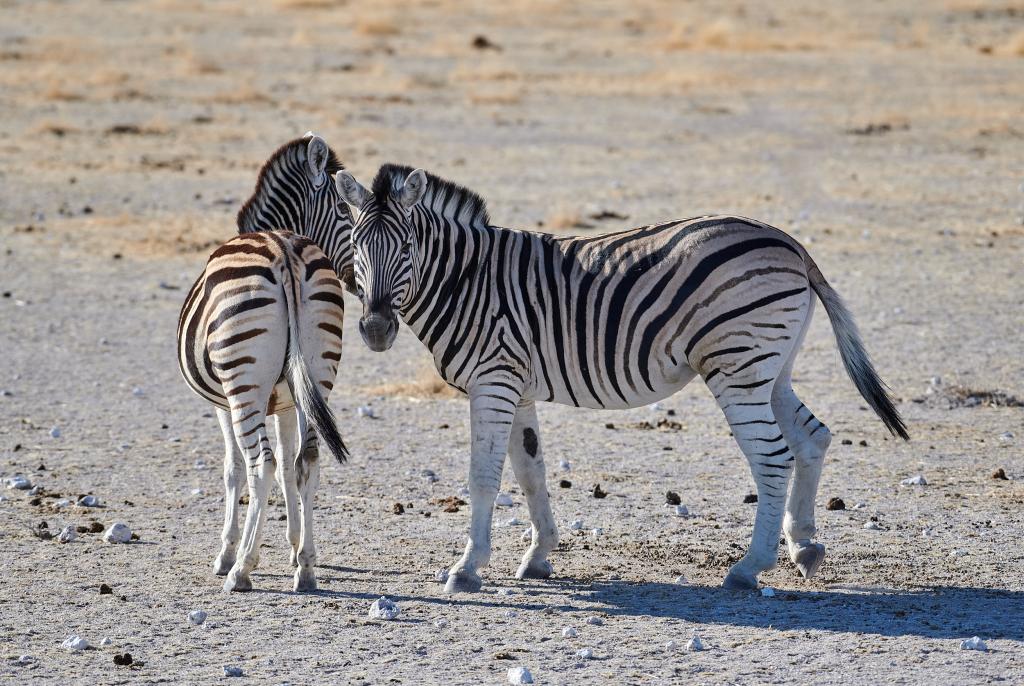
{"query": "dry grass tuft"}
pixel 566 218
pixel 426 384
pixel 724 35
pixel 1015 45
pixel 243 95
pixel 379 27
pixel 307 4
pixel 54 128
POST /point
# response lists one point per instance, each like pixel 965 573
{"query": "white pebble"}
pixel 19 482
pixel 366 411
pixel 682 511
pixel 55 432
pixel 767 592
pixel 597 532
pixel 89 501
pixel 383 608
pixel 1006 436
pixel 564 465
pixel 569 632
pixel 585 653
pixel 681 580
pixel 138 392
pixel 527 534
pixel 860 506
pixel 694 644
pixel 654 407
pixel 199 464
pixel 503 500
pixel 463 492
pixel 67 534
pixel 35 490
pixel 515 521
pixel 197 491
pixel 75 643
pixel 974 643
pixel 440 622
pixel 106 641
pixel 441 575
pixel 232 671
pixel 872 525
pixel 504 591
pixel 118 533
pixel 671 645
pixel 519 675
pixel 196 617
pixel 24 660
pixel 576 525
pixel 595 620
pixel 958 553
pixel 916 480
pixel 511 614
pixel 63 502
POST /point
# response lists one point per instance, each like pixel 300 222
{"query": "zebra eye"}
pixel 406 247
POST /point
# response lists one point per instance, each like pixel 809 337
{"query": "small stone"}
pixel 75 643
pixel 429 475
pixel 1000 475
pixel 519 675
pixel 564 465
pixel 503 500
pixel 681 580
pixel 441 576
pixel 694 645
pixel 577 525
pixel 366 411
pixel 835 504
pixel 1006 437
pixel 564 483
pixel 232 671
pixel 118 533
pixel 749 498
pixel 515 521
pixel 958 553
pixel 767 592
pixel 682 511
pixel 598 493
pixel 597 532
pixel 199 465
pixel 595 620
pixel 916 480
pixel 872 526
pixel 585 653
pixel 106 590
pixel 505 591
pixel 672 498
pixel 527 534
pixel 55 432
pixel 196 617
pixel 569 632
pixel 18 482
pixel 106 641
pixel 197 491
pixel 62 503
pixel 670 646
pixel 974 643
pixel 859 506
pixel 383 608
pixel 35 490
pixel 440 622
pixel 138 392
pixel 511 614
pixel 24 660
pixel 88 501
pixel 67 534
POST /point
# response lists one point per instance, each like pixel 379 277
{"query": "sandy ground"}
pixel 886 136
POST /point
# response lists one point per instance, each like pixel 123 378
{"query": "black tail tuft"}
pixel 311 402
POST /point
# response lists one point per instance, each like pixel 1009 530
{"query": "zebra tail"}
pixel 855 357
pixel 309 402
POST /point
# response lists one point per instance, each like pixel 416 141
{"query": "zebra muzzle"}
pixel 378 331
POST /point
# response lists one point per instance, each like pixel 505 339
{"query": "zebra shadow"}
pixel 949 612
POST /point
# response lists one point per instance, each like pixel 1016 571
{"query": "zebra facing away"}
pixel 614 321
pixel 260 334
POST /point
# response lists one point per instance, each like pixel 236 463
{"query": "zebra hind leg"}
pixel 757 432
pixel 251 433
pixel 307 475
pixel 287 442
pixel 528 465
pixel 234 470
pixel 809 438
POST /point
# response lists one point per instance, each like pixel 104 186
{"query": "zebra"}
pixel 261 327
pixel 611 322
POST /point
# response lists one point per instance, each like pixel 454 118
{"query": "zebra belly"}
pixel 667 378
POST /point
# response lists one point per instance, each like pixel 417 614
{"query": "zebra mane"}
pixel 288 159
pixel 465 205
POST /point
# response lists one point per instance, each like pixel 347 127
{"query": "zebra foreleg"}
pixel 758 434
pixel 287 442
pixel 492 410
pixel 234 470
pixel 528 464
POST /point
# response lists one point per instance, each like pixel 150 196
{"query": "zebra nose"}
pixel 378 331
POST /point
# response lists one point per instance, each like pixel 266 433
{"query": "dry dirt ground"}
pixel 887 136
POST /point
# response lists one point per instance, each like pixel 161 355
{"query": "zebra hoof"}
pixel 305 581
pixel 738 581
pixel 463 582
pixel 237 581
pixel 535 569
pixel 223 564
pixel 808 559
pixel 293 559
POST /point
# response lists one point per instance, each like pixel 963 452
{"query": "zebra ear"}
pixel 413 188
pixel 316 157
pixel 350 190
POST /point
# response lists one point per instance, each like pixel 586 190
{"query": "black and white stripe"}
pixel 613 321
pixel 260 334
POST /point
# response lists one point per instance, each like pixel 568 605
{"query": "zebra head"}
pixel 385 249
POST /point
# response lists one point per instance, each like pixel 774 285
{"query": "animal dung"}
pixel 503 500
pixel 519 675
pixel 398 508
pixel 564 483
pixel 569 632
pixel 749 498
pixel 598 492
pixel 383 608
pixel 916 480
pixel 1000 475
pixel 75 644
pixel 196 617
pixel 118 533
pixel 124 660
pixel 18 482
pixel 835 504
pixel 672 498
pixel 974 643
